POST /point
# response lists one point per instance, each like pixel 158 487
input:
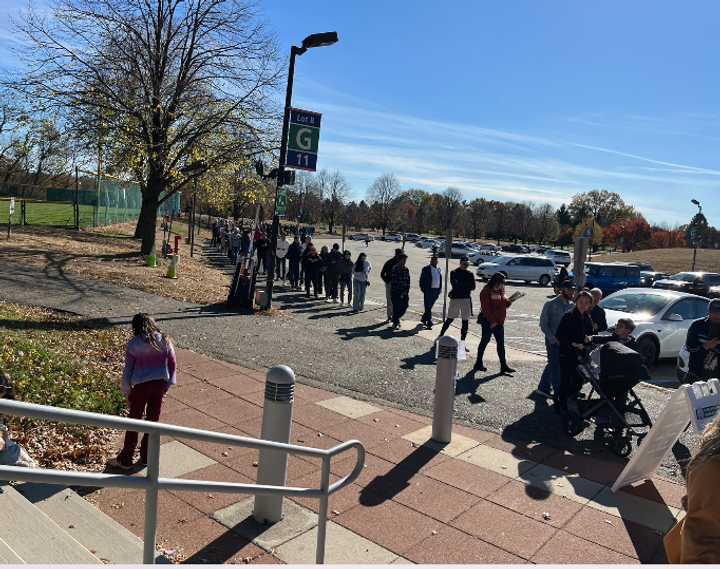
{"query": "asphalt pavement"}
pixel 326 345
pixel 522 326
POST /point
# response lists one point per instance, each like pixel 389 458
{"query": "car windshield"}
pixel 635 303
pixel 687 277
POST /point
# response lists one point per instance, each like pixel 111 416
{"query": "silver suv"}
pixel 559 256
pixel 527 268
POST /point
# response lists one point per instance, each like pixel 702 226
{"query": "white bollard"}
pixel 444 389
pixel 276 425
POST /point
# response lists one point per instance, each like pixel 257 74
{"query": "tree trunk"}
pixel 147 221
pixel 147 224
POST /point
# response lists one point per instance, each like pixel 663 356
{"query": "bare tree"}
pixel 170 81
pixel 334 190
pixel 383 194
pixel 545 226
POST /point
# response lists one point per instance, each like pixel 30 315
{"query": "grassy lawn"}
pixel 61 214
pixel 669 260
pixel 66 361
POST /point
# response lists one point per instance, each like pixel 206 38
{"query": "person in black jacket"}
pixel 431 286
pixel 293 257
pixel 332 272
pixel 462 282
pixel 703 343
pixel 345 271
pixel 597 313
pixel 400 289
pixel 573 335
pixel 313 264
pixel 386 276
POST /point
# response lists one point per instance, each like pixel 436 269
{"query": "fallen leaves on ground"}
pixel 63 360
pixel 112 255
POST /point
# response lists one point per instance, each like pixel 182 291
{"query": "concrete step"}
pixel 97 532
pixel 34 537
pixel 8 555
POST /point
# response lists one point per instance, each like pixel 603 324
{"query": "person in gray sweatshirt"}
pixel 552 313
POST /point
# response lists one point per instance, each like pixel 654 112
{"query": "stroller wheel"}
pixel 640 438
pixel 622 447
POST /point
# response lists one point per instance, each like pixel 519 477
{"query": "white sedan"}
pixel 662 318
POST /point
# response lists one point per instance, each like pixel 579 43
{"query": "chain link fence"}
pixel 91 203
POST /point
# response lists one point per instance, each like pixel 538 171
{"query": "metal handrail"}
pixel 152 482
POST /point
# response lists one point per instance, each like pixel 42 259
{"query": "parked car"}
pixel 518 249
pixel 483 247
pixel 459 249
pixel 662 318
pixel 396 237
pixel 611 277
pixel 643 266
pixel 484 257
pixel 361 237
pixel 412 237
pixel 559 256
pixel 428 243
pixel 528 268
pixel 693 282
pixel 647 278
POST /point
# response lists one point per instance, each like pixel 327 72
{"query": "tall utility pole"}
pixel 694 235
pixel 194 169
pixel 315 40
pixel 99 172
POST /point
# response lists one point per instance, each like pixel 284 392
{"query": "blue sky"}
pixel 520 100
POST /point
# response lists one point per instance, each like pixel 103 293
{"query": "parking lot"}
pixel 522 326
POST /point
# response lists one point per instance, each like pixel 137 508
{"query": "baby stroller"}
pixel 613 370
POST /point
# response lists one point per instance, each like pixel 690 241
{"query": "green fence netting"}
pixel 113 202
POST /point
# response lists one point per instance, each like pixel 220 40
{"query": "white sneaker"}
pixel 542 393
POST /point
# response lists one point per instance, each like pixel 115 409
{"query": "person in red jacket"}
pixel 494 307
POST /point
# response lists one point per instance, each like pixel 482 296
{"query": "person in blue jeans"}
pixel 552 313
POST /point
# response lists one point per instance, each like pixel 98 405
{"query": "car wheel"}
pixel 544 280
pixel 648 349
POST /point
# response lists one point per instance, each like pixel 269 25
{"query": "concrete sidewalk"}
pixel 481 499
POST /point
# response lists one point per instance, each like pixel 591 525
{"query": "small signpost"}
pixel 281 208
pixel 11 211
pixel 303 139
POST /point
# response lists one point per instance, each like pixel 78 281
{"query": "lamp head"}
pixel 696 202
pixel 320 40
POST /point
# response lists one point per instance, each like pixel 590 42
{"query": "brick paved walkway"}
pixel 481 499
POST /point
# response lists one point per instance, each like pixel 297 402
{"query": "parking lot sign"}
pixel 303 140
pixel 12 206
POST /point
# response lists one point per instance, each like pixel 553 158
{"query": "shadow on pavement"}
pixel 538 437
pixel 387 486
pixel 87 324
pixel 226 546
pixel 424 359
pixel 371 330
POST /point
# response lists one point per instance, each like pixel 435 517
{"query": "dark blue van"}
pixel 611 277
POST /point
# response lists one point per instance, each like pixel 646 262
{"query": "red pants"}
pixel 144 399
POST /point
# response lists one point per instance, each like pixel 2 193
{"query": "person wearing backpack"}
pixel 149 372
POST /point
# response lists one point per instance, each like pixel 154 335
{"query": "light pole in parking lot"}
pixel 694 230
pixel 310 42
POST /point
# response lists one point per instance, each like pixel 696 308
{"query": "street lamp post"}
pixel 194 168
pixel 314 40
pixel 693 233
